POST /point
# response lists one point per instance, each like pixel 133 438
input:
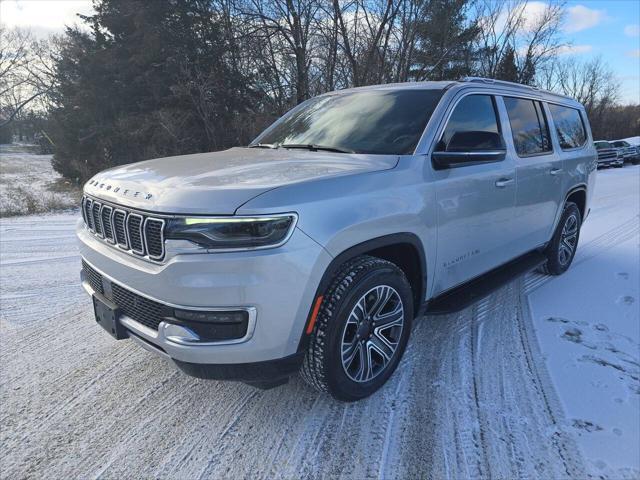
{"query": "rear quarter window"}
pixel 569 126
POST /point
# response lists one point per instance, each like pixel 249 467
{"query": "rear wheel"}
pixel 563 245
pixel 361 330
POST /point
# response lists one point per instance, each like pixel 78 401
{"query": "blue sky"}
pixel 609 28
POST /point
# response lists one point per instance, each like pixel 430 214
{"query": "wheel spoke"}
pixel 383 294
pixel 390 319
pixel 372 333
pixel 349 352
pixel 382 346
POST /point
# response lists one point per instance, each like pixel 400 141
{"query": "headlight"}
pixel 232 232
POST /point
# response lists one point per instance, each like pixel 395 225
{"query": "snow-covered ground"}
pixel 28 183
pixel 588 325
pixel 539 380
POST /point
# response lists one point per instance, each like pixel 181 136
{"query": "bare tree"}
pixel 518 28
pixel 26 73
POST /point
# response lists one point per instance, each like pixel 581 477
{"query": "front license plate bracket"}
pixel 108 317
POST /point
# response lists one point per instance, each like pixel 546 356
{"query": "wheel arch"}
pixel 578 195
pixel 403 249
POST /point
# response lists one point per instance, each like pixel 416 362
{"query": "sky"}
pixel 607 28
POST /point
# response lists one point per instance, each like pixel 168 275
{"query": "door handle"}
pixel 555 171
pixel 503 182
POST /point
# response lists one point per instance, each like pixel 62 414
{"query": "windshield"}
pixel 601 145
pixel 375 121
pixel 620 144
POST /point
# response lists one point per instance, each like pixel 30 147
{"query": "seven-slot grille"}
pixel 139 308
pixel 131 231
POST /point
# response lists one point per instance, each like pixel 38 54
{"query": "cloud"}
pixel 634 53
pixel 574 49
pixel 43 15
pixel 580 18
pixel 632 30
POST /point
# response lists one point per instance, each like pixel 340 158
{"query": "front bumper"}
pixel 277 286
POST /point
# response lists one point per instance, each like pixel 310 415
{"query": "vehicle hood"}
pixel 217 183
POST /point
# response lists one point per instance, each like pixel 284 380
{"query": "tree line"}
pixel 144 79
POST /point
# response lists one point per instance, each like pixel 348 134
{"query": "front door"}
pixel 475 201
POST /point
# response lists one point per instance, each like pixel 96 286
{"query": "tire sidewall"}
pixel 340 385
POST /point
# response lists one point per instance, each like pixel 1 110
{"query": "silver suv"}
pixel 314 248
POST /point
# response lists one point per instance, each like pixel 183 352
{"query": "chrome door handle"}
pixel 503 182
pixel 555 171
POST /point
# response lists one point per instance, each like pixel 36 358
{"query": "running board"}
pixel 467 294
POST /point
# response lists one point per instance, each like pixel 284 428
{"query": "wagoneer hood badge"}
pixel 220 182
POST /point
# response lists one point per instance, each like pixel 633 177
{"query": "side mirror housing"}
pixel 470 147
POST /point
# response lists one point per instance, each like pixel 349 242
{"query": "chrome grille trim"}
pixel 106 216
pixel 120 236
pixel 136 235
pixel 151 251
pixel 88 212
pixel 128 230
pixel 97 221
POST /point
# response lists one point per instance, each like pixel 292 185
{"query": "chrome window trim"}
pixel 141 231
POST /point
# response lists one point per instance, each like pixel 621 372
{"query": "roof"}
pixel 445 85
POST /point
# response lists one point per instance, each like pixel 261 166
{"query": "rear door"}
pixel 539 171
pixel 474 201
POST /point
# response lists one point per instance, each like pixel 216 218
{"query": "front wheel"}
pixel 563 245
pixel 361 330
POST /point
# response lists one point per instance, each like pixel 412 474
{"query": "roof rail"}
pixel 493 81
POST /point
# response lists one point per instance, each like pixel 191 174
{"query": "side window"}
pixel 475 122
pixel 569 126
pixel 528 125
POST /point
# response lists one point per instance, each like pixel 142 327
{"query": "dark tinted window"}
pixel 602 145
pixel 474 113
pixel 528 126
pixel 377 121
pixel 569 126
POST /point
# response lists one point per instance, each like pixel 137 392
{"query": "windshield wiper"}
pixel 264 145
pixel 313 147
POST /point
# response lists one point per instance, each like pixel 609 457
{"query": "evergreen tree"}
pixel 507 68
pixel 445 36
pixel 150 80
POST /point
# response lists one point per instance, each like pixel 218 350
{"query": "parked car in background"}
pixel 608 155
pixel 630 153
pixel 313 248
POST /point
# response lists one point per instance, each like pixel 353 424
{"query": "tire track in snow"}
pixel 74 403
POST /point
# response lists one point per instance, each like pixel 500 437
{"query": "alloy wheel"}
pixel 568 239
pixel 372 333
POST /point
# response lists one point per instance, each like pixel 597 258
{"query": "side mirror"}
pixel 470 147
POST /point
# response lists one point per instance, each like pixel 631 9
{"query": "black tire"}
pixel 564 238
pixel 340 318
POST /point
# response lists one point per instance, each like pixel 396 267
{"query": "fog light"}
pixel 214 326
pixel 212 317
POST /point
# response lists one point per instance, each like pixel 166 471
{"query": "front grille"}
pixel 141 309
pixel 97 222
pixel 134 232
pixel 119 217
pixel 153 235
pixel 93 277
pixel 107 227
pixel 134 229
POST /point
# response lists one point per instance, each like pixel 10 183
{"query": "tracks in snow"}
pixel 470 399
